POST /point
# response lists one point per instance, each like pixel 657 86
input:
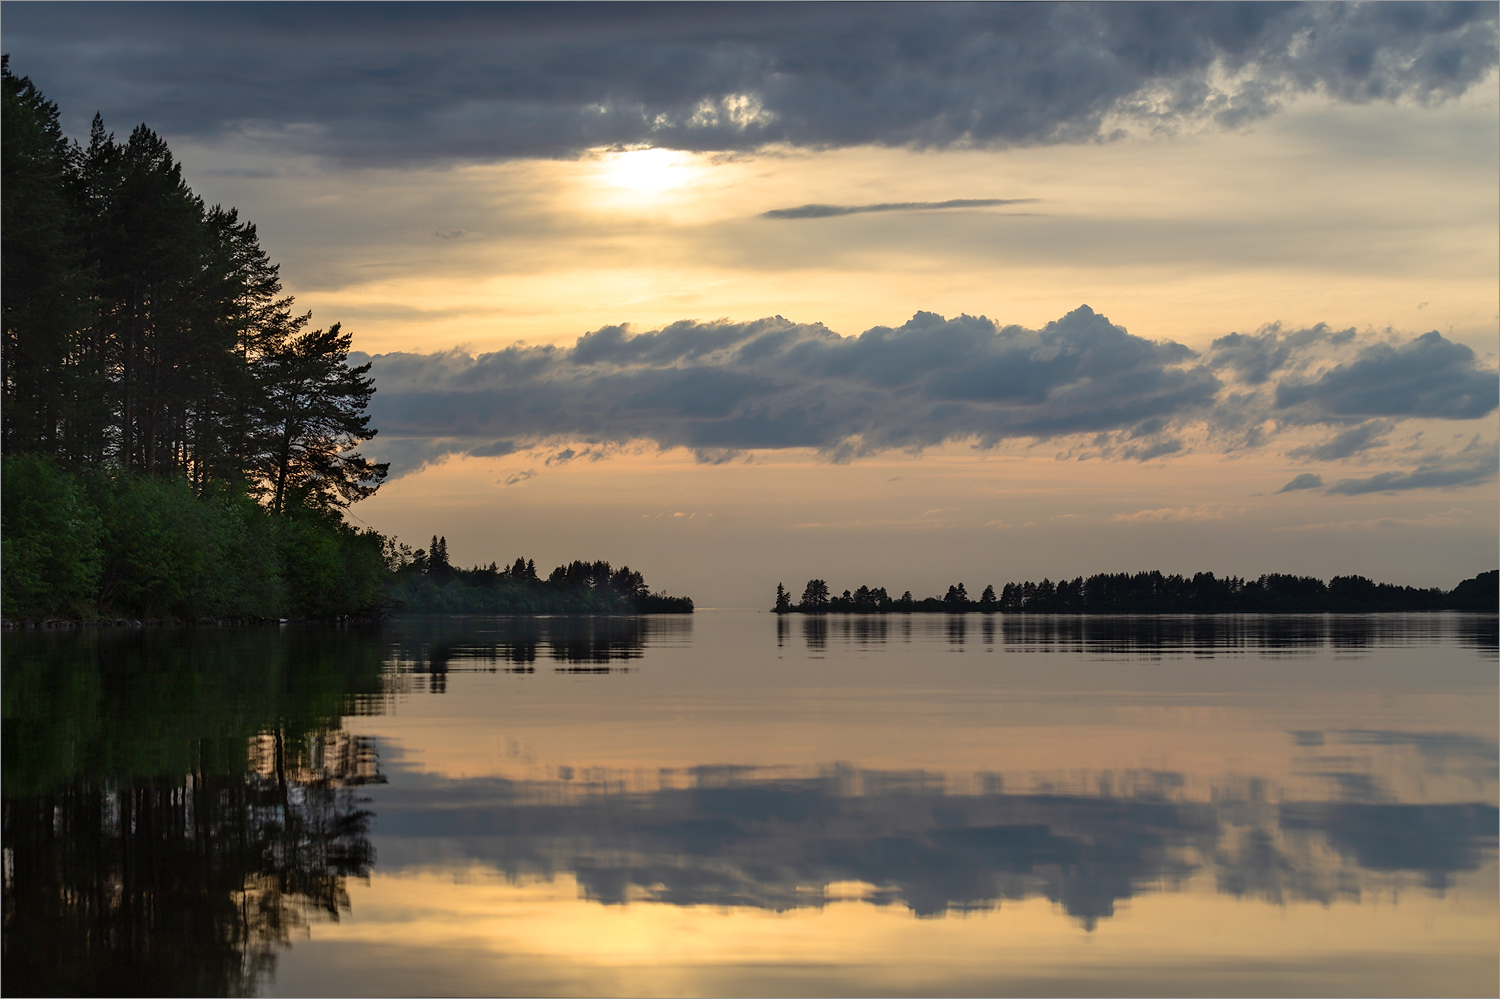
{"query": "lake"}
pixel 732 803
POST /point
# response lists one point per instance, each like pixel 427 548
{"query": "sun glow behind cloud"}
pixel 642 177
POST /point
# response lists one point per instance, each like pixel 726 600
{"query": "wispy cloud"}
pixel 1346 443
pixel 829 211
pixel 1307 480
pixel 1167 515
pixel 1439 474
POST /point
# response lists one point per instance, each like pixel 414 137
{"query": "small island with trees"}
pixel 425 582
pixel 1157 593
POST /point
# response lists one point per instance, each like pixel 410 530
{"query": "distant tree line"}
pixel 426 582
pixel 1158 593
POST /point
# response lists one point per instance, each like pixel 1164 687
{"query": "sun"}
pixel 646 173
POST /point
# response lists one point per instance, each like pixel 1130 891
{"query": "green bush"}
pixel 331 569
pixel 51 538
pixel 125 544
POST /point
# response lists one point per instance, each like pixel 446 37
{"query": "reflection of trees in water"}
pixel 815 632
pixel 156 887
pixel 738 839
pixel 1159 634
pixel 1480 631
pixel 177 803
pixel 436 645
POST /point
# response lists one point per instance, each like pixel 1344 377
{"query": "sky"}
pixel 894 295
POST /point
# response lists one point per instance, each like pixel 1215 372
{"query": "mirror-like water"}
pixel 732 803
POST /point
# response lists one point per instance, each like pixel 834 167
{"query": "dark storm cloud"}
pixel 409 83
pixel 829 211
pixel 720 389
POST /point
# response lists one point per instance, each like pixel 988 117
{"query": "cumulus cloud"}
pixel 1254 358
pixel 830 211
pixel 725 389
pixel 1429 376
pixel 405 83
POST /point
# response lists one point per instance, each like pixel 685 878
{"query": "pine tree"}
pixel 315 407
pixel 47 392
pixel 815 595
pixel 783 601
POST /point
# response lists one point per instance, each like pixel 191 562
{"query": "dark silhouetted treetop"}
pixel 1158 593
pixel 814 595
pixel 315 411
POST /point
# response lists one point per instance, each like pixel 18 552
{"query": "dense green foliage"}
pixel 427 583
pixel 1156 593
pixel 112 543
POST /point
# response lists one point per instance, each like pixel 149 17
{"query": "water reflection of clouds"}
pixel 1155 635
pixel 1438 754
pixel 742 837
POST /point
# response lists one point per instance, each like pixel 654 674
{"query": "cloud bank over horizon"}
pixel 403 84
pixel 724 389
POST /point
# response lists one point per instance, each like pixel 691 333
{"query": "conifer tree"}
pixel 783 601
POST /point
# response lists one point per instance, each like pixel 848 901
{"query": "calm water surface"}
pixel 731 804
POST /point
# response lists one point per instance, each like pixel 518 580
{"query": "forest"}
pixel 1158 593
pixel 178 441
